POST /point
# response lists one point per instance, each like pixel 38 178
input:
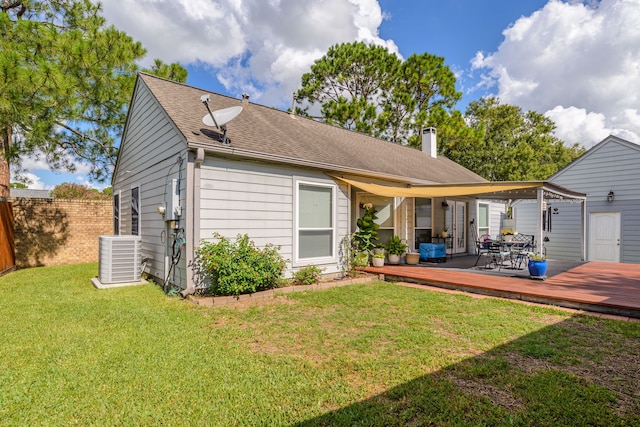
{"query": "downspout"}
pixel 193 216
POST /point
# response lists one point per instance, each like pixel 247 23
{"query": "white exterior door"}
pixel 456 221
pixel 604 236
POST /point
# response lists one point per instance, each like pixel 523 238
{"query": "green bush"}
pixel 366 236
pixel 395 246
pixel 239 267
pixel 307 275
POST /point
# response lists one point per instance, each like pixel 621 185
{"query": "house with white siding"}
pixel 609 175
pixel 279 178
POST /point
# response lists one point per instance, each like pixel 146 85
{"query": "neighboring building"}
pixel 609 175
pixel 281 179
pixel 28 193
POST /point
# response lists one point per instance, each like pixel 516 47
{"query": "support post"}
pixel 539 235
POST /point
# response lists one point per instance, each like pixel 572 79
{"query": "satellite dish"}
pixel 219 118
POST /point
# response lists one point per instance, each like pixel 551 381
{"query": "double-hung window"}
pixel 315 220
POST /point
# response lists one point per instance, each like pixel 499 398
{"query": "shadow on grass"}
pixel 562 375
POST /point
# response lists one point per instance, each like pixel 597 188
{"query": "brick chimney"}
pixel 429 144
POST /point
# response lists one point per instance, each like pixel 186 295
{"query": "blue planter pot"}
pixel 537 268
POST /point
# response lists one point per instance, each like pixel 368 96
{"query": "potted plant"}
pixel 378 260
pixel 395 248
pixel 412 258
pixel 366 236
pixel 445 233
pixel 507 234
pixel 537 266
pixel 379 249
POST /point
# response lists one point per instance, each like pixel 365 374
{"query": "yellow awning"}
pixel 500 189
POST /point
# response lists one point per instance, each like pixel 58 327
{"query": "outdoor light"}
pixel 445 205
pixel 610 196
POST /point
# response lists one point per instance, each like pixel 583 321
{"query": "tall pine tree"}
pixel 65 82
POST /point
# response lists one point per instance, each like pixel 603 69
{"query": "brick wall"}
pixel 57 231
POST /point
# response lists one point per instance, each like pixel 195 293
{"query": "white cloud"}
pixel 36 162
pixel 261 47
pixel 579 63
pixel 32 181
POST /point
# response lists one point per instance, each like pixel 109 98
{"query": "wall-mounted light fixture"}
pixel 445 205
pixel 610 196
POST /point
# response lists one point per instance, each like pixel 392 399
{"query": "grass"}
pixel 370 354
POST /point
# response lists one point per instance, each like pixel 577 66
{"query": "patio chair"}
pixel 497 254
pixel 482 246
pixel 523 246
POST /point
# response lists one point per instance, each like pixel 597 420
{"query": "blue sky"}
pixel 578 62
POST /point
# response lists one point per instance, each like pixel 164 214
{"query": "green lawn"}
pixel 368 354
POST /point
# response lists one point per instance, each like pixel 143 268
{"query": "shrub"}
pixel 395 246
pixel 239 267
pixel 366 236
pixel 307 275
pixel 69 190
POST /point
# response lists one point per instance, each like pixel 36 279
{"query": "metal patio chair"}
pixel 482 246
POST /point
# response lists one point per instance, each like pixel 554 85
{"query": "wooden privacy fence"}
pixel 7 242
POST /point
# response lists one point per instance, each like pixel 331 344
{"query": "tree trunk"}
pixel 5 174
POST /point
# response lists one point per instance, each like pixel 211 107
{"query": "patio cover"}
pixel 498 190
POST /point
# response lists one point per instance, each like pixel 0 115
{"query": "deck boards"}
pixel 601 287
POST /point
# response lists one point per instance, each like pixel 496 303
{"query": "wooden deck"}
pixel 601 287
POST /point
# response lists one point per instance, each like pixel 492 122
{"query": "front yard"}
pixel 368 354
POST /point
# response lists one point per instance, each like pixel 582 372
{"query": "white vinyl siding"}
pixel 611 165
pixel 563 242
pixel 259 200
pixel 149 157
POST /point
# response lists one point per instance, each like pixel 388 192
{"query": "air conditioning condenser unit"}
pixel 120 259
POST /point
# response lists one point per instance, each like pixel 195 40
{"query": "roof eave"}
pixel 325 167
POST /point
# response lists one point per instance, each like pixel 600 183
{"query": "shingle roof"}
pixel 29 193
pixel 266 133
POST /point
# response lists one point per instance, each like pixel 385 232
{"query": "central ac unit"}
pixel 120 259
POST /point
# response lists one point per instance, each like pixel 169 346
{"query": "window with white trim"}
pixel 315 220
pixel 135 211
pixel 423 221
pixel 483 219
pixel 385 213
pixel 116 213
